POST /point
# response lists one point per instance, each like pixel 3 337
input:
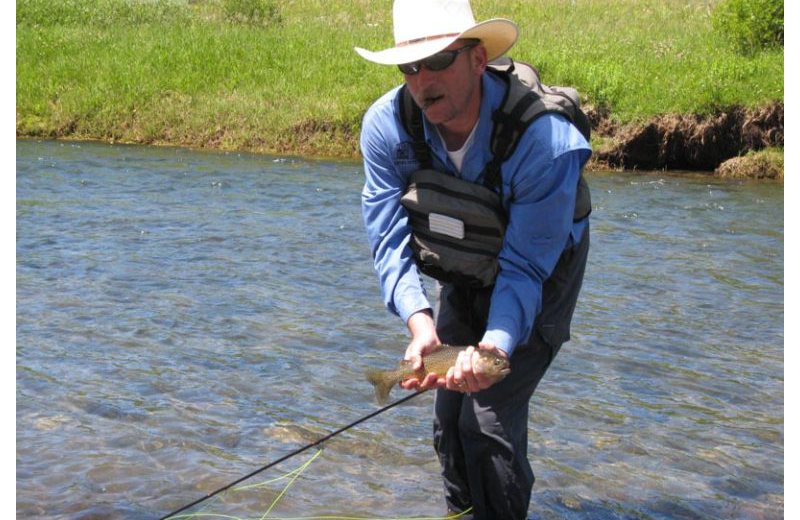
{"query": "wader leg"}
pixel 482 439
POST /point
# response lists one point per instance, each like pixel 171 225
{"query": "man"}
pixel 480 429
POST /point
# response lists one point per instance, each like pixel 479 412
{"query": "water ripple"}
pixel 185 317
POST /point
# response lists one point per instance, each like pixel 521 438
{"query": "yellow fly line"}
pixel 292 476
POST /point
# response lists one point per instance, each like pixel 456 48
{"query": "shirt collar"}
pixel 478 154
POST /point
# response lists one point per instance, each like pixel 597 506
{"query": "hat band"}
pixel 425 39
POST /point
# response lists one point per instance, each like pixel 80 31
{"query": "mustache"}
pixel 428 97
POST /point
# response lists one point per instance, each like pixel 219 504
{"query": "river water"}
pixel 184 318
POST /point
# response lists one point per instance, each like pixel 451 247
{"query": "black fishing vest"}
pixel 458 226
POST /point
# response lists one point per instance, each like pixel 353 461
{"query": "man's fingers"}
pixel 429 381
pixel 410 384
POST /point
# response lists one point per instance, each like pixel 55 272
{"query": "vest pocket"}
pixel 457 228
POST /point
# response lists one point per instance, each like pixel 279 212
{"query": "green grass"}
pixel 194 73
pixel 750 25
pixel 645 57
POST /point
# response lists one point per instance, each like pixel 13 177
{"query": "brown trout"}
pixel 438 361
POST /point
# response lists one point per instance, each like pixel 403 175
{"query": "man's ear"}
pixel 479 58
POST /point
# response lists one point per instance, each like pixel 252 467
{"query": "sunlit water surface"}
pixel 184 318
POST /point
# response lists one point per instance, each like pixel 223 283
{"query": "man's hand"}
pixel 423 340
pixel 462 377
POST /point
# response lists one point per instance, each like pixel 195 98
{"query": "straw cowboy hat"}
pixel 424 27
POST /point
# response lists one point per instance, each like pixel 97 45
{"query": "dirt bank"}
pixel 690 142
pixel 722 143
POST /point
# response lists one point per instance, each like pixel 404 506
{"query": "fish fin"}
pixel 382 382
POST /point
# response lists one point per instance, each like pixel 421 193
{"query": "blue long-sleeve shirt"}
pixel 539 185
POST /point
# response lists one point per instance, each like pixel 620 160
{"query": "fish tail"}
pixel 382 382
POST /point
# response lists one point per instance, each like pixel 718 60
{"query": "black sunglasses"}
pixel 439 61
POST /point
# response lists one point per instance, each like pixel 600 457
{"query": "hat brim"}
pixel 497 35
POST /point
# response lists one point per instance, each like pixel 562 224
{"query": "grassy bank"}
pixel 217 73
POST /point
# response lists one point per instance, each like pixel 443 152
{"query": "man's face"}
pixel 446 95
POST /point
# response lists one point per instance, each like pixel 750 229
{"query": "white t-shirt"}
pixel 457 156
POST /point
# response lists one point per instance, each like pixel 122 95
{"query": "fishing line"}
pixel 290 455
pixel 327 517
pixel 293 475
pixel 276 479
pixel 289 484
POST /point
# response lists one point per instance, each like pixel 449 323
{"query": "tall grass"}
pixel 266 75
pixel 750 25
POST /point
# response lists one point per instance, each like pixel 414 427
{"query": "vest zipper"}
pixel 463 196
pixel 422 218
pixel 447 243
